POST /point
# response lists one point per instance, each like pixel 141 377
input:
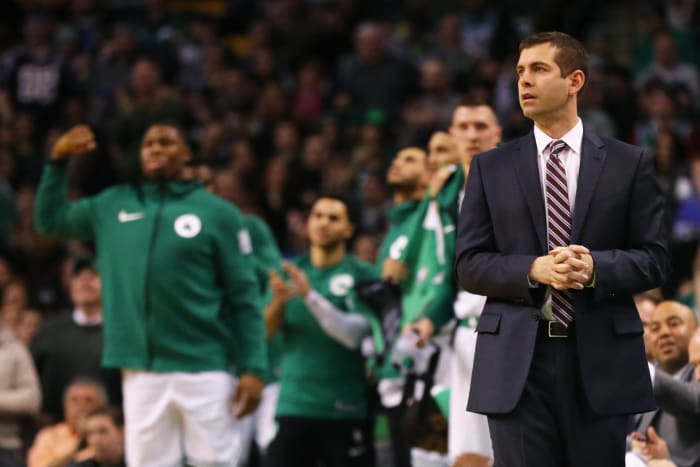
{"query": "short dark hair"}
pixel 570 56
pixel 471 100
pixel 114 413
pixel 350 206
pixel 87 381
pixel 82 262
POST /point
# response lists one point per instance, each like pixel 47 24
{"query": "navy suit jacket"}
pixel 618 215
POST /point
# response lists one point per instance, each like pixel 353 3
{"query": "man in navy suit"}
pixel 559 229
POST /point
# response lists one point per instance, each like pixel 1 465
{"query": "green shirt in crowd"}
pixel 321 378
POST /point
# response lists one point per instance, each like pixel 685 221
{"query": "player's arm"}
pixel 54 214
pixel 346 328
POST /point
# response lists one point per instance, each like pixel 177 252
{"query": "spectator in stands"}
pixel 56 445
pixel 668 68
pixel 373 78
pixel 104 434
pixel 677 419
pixel 694 354
pixel 28 325
pixel 431 109
pixel 20 395
pixel 36 79
pixel 69 346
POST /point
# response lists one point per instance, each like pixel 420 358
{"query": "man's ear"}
pixel 186 151
pixel 350 231
pixel 576 81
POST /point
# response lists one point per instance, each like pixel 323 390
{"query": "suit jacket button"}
pixel 612 294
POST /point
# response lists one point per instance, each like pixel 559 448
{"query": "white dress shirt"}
pixel 570 157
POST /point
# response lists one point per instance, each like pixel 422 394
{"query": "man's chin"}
pixel 155 176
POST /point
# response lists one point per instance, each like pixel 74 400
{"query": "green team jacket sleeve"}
pixel 267 256
pixel 243 300
pixel 264 244
pixel 441 308
pixel 432 243
pixel 54 214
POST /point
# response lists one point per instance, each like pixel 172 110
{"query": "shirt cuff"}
pixel 531 284
pixel 591 284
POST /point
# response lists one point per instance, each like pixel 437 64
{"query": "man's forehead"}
pixel 411 153
pixel 544 53
pixel 159 131
pixel 329 206
pixel 82 390
pixel 667 310
pixel 440 139
pixel 474 113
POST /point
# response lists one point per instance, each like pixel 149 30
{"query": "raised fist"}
pixel 78 140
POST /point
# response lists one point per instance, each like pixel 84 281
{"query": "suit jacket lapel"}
pixel 592 159
pixel 528 174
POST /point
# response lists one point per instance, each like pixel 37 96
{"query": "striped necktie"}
pixel 558 224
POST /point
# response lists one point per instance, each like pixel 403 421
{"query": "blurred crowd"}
pixel 282 100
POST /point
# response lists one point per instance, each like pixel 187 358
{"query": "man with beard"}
pixel 322 412
pixel 416 254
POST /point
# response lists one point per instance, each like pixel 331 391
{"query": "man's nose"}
pixel 524 80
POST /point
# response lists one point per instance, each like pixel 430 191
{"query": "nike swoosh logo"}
pixel 124 216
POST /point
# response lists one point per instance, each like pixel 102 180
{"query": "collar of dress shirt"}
pixel 81 319
pixel 573 138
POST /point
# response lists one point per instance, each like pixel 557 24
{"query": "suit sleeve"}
pixel 242 310
pixel 644 263
pixel 54 214
pixel 481 269
pixel 676 397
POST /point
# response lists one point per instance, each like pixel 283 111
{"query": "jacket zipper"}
pixel 147 282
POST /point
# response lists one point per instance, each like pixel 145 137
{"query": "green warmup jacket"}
pixel 423 236
pixel 450 200
pixel 257 238
pixel 321 378
pixel 178 293
pixel 451 194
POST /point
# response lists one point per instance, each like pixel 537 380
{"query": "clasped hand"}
pixel 569 267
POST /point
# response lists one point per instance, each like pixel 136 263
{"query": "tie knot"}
pixel 557 146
